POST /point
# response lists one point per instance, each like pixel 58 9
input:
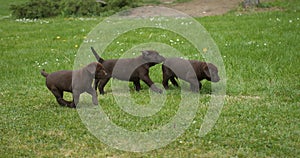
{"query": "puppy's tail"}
pixel 44 73
pixel 99 59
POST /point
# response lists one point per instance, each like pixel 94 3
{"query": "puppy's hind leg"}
pixel 165 82
pixel 174 81
pixel 59 98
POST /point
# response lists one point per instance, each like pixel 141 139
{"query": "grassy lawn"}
pixel 260 117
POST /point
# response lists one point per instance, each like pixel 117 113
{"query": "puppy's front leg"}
pixel 200 85
pixel 137 85
pixel 76 96
pixel 192 79
pixel 150 83
pixel 102 84
pixel 92 92
pixel 72 104
pixel 194 88
pixel 96 83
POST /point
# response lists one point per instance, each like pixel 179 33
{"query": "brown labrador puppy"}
pixel 130 69
pixel 191 71
pixel 76 82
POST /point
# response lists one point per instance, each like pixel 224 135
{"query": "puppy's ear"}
pixel 91 68
pixel 145 53
pixel 206 70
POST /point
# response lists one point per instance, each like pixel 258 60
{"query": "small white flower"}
pixel 171 41
pixel 56 60
pixel 290 21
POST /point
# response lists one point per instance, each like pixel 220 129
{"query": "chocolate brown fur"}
pixel 76 82
pixel 130 69
pixel 191 71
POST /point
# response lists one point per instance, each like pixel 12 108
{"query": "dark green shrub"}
pixel 36 9
pixel 80 7
pixel 50 8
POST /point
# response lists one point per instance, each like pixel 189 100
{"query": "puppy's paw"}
pixel 195 90
pixel 72 105
pixel 160 91
pixel 95 101
pixel 157 90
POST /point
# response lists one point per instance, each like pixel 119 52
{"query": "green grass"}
pixel 260 117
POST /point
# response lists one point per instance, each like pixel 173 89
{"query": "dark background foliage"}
pixel 50 8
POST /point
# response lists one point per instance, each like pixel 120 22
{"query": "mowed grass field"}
pixel 260 116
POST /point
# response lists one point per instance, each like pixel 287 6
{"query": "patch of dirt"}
pixel 194 8
pixel 199 8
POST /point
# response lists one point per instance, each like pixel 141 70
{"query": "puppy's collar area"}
pixel 90 74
